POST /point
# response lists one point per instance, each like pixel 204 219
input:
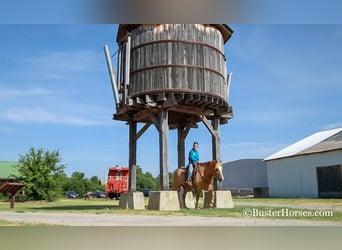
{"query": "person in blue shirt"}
pixel 193 161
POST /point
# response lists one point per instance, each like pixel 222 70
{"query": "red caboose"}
pixel 117 182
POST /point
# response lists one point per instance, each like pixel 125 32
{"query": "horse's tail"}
pixel 177 179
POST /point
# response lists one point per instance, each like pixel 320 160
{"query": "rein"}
pixel 202 175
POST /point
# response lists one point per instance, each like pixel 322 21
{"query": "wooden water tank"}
pixel 182 62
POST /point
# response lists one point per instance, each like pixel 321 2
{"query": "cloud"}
pixel 278 115
pixel 245 150
pixel 40 115
pixel 23 92
pixel 6 129
pixel 59 65
pixel 332 126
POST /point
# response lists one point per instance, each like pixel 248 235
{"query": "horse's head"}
pixel 218 171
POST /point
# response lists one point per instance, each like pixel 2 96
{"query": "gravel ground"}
pixel 299 206
pixel 85 219
pixel 79 219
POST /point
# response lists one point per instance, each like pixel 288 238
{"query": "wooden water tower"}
pixel 172 76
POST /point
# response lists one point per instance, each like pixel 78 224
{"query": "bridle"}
pixel 208 182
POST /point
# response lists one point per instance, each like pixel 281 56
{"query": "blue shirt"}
pixel 193 156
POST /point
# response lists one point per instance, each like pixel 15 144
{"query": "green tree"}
pixel 76 183
pixel 145 180
pixel 41 171
pixel 95 180
pixel 81 185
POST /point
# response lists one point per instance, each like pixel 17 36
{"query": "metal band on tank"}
pixel 178 41
pixel 177 66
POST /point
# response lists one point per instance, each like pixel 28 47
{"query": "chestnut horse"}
pixel 203 179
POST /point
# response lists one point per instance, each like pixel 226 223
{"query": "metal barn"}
pixel 245 174
pixel 310 168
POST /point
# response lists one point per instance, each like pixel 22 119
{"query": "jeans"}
pixel 189 172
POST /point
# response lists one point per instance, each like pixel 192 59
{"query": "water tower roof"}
pixel 225 30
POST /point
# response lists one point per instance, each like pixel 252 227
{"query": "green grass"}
pixel 103 206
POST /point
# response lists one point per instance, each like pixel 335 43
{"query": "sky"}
pixel 55 94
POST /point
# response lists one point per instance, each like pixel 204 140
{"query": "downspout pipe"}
pixel 229 79
pixel 112 76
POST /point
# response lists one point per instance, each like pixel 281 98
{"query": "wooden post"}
pixel 182 132
pixel 163 149
pixel 12 198
pixel 216 149
pixel 214 129
pixel 132 156
pixel 181 147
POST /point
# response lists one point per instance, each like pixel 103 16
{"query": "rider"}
pixel 193 160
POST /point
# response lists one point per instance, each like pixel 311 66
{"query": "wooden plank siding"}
pixel 179 57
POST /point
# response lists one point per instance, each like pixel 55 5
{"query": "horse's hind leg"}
pixel 184 197
pixel 181 192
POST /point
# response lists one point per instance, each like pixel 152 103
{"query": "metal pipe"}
pixel 128 60
pixel 112 76
pixel 229 78
pixel 127 68
pixel 119 77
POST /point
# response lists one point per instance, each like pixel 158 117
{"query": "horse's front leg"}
pixel 212 195
pixel 197 198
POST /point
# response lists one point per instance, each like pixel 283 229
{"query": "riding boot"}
pixel 189 181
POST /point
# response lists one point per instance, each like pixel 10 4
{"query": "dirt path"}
pixel 78 219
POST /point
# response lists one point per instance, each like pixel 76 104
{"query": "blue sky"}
pixel 55 93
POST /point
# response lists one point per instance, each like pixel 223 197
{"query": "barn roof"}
pixel 7 168
pixel 319 142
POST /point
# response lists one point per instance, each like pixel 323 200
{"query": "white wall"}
pixel 296 176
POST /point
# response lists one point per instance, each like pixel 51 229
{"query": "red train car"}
pixel 117 182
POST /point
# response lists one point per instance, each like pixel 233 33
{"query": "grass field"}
pixel 103 206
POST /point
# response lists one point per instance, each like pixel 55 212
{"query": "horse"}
pixel 202 179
